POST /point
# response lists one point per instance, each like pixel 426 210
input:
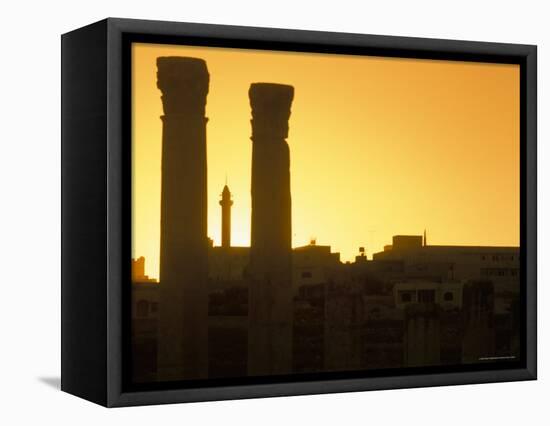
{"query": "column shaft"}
pixel 270 291
pixel 183 309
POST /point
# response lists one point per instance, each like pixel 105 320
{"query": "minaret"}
pixel 226 204
pixel 183 308
pixel 425 241
pixel 270 289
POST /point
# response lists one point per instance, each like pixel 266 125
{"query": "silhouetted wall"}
pixel 270 312
pixel 183 325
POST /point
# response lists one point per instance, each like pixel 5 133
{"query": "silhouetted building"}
pixel 479 329
pixel 344 317
pixel 227 266
pixel 145 312
pixel 312 265
pixel 447 295
pixel 270 291
pixel 138 271
pixel 403 242
pixel 226 204
pixel 422 335
pixel 183 325
pixel 409 257
pixel 144 323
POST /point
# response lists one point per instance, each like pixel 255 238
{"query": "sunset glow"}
pixel 378 147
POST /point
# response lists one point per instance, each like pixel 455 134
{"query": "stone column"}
pixel 270 292
pixel 183 309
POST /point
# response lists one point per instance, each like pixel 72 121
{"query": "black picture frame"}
pixel 96 228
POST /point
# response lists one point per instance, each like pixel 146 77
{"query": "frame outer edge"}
pixel 115 395
pixel 531 183
pixel 83 198
pixel 114 211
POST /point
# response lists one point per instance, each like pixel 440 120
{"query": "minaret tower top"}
pixel 226 204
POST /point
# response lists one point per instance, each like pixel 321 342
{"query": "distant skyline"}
pixel 378 147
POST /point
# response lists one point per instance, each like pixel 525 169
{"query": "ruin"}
pixel 183 325
pixel 270 269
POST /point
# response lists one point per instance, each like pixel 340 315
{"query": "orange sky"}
pixel 378 146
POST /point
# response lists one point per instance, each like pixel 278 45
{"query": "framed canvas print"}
pixel 251 212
